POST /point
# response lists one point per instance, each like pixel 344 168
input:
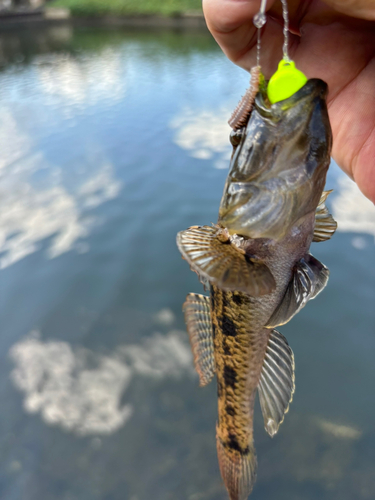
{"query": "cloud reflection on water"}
pixel 82 81
pixel 353 211
pixel 32 210
pixel 81 391
pixel 30 214
pixel 204 134
pixel 338 430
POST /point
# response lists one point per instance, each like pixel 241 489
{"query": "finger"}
pixel 231 24
pixel 354 130
pixel 363 9
pixel 350 74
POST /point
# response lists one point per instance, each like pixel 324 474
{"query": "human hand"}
pixel 332 40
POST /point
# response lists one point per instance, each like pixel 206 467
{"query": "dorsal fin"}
pixel 276 384
pixel 309 278
pixel 222 264
pixel 325 224
pixel 199 326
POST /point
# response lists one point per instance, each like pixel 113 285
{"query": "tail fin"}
pixel 238 469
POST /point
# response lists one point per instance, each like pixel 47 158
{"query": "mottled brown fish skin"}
pixel 239 353
pixel 239 348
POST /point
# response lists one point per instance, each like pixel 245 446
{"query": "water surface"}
pixel 111 142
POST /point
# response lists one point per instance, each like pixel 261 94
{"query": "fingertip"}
pixel 226 16
pixel 231 24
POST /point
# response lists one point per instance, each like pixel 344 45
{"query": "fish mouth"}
pixel 306 97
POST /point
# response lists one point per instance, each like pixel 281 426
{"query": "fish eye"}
pixel 236 136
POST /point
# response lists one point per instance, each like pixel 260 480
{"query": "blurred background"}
pixel 112 139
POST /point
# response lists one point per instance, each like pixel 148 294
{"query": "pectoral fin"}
pixel 199 327
pixel 276 385
pixel 222 264
pixel 309 278
pixel 325 224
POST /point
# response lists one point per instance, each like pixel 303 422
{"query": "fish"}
pixel 256 264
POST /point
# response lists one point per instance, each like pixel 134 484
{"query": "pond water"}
pixel 110 143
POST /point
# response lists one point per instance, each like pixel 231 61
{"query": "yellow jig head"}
pixel 285 82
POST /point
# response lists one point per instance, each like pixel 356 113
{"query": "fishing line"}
pixel 259 21
pixel 285 30
pixel 260 18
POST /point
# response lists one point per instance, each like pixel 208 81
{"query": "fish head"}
pixel 278 170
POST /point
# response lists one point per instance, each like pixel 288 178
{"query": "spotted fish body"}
pixel 238 352
pixel 257 265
